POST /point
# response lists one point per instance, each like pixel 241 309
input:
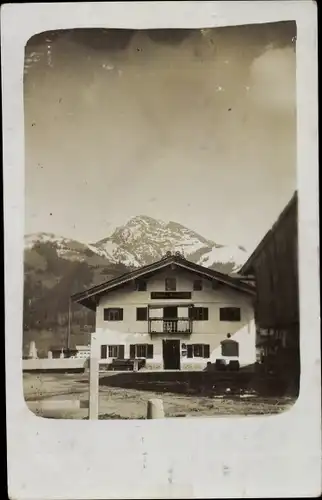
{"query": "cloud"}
pixel 273 80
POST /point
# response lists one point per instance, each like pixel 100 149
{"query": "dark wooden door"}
pixel 170 312
pixel 171 354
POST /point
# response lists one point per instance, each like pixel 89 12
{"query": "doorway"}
pixel 170 312
pixel 170 319
pixel 171 354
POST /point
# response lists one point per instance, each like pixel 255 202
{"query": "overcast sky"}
pixel 196 127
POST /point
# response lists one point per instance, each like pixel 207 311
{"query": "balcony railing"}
pixel 163 325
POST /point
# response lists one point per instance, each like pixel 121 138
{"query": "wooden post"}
pixel 50 355
pixel 93 388
pixel 69 323
pixel 155 409
pixel 33 350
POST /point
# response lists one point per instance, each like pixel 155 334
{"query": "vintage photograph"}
pixel 161 227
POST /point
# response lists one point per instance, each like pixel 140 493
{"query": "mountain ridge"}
pixel 143 240
pixel 56 267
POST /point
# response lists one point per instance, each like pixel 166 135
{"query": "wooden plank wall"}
pixel 276 271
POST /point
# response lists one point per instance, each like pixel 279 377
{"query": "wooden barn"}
pixel 274 267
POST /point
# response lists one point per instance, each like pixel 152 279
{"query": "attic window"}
pixel 141 286
pixel 197 285
pixel 170 284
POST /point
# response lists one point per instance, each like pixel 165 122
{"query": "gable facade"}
pixel 174 318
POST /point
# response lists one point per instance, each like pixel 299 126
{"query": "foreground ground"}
pixel 131 403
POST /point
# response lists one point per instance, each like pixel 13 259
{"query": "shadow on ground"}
pixel 199 383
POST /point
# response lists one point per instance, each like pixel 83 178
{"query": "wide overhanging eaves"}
pixel 89 298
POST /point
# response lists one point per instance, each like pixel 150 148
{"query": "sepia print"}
pixel 161 245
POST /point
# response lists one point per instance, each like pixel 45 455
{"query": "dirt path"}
pixel 123 403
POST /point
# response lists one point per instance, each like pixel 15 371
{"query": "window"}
pixel 113 314
pixel 116 351
pixel 141 286
pixel 229 347
pixel 141 314
pixel 198 351
pixel 198 313
pixel 141 351
pixel 197 285
pixel 230 314
pixel 170 284
pixel 112 351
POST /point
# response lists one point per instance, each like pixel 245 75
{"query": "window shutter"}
pixel 105 314
pixel 206 351
pixel 150 351
pixel 191 312
pixel 205 314
pixel 132 351
pixel 103 351
pixel 121 314
pixel 189 351
pixel 121 352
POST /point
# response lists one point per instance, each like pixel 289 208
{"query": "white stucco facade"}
pixel 209 332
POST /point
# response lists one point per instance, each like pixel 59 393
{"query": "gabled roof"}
pixel 247 267
pixel 89 297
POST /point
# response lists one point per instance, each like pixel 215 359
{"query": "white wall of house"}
pixel 211 332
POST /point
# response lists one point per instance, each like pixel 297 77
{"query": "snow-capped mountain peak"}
pixel 67 248
pixel 143 240
pixel 42 237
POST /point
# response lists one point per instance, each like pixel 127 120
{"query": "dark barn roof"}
pixel 247 267
pixel 89 297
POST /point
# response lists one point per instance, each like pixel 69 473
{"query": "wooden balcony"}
pixel 171 326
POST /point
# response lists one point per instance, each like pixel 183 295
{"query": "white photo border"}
pixel 277 456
